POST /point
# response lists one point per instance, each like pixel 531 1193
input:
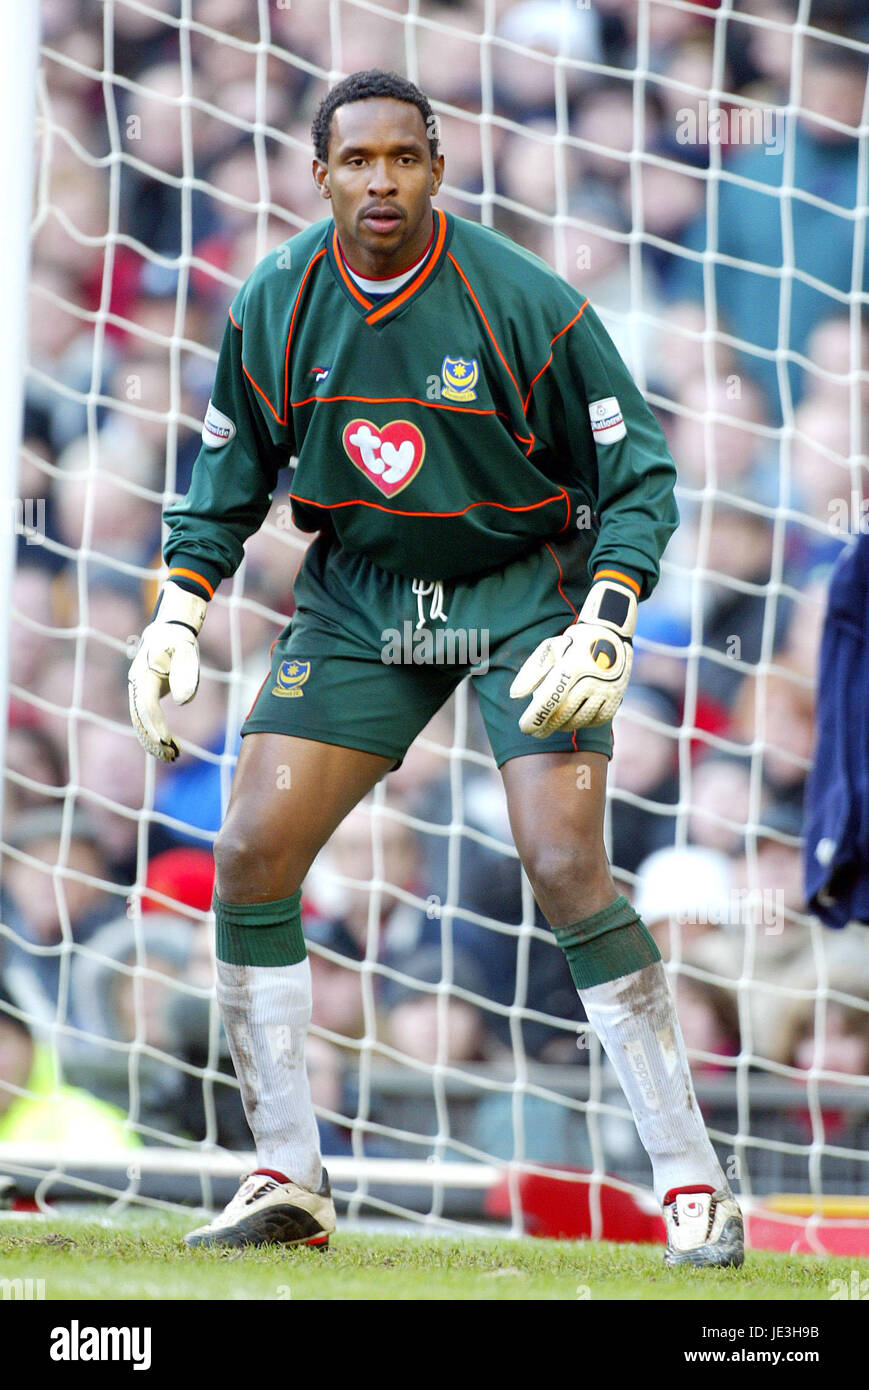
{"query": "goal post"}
pixel 18 67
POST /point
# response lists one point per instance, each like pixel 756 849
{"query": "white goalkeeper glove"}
pixel 167 660
pixel 579 678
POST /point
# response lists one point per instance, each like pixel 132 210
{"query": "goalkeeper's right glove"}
pixel 166 660
pixel 578 679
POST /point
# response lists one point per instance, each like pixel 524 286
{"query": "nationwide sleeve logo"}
pixel 217 428
pixel 291 676
pixel 460 375
pixel 607 424
pixel 390 455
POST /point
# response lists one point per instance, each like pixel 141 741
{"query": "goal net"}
pixel 700 171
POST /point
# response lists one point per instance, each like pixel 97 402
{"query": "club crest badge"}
pixel 390 455
pixel 460 376
pixel 291 677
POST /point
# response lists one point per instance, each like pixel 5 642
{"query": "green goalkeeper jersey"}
pixel 441 430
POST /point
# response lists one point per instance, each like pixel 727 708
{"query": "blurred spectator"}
pixel 821 233
pixel 682 344
pixel 682 894
pixel 108 499
pixel 32 639
pixel 525 85
pixel 643 771
pixel 419 1026
pixel 604 129
pixel 774 713
pixel 718 438
pixel 709 1019
pixel 838 362
pixel 183 876
pixel 34 760
pixel 720 802
pixel 129 989
pixel 737 568
pixel 112 772
pixel 37 1107
pixel 55 896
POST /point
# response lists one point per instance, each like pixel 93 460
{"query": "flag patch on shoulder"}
pixel 217 428
pixel 607 424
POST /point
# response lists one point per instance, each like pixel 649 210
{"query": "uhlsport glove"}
pixel 166 661
pixel 579 678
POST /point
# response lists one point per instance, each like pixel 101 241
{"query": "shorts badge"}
pixel 290 678
pixel 460 376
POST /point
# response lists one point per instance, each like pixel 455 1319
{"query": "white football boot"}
pixel 703 1228
pixel 265 1211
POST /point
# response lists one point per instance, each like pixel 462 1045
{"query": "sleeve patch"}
pixel 607 424
pixel 217 428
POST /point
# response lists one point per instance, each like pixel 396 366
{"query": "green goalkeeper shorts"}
pixel 369 657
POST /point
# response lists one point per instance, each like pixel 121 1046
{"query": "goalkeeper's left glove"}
pixel 167 660
pixel 579 678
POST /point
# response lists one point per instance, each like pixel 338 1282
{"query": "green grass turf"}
pixel 139 1256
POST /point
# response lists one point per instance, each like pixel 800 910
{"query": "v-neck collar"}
pixel 381 311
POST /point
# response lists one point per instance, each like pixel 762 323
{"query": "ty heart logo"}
pixel 390 455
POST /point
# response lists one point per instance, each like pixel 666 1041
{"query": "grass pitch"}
pixel 140 1256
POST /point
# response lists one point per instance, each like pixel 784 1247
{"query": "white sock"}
pixel 266 1010
pixel 635 1019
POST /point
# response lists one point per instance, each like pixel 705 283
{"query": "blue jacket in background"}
pixel 836 851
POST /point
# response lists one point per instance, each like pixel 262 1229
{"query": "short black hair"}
pixel 361 86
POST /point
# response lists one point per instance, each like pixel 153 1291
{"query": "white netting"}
pixel 701 172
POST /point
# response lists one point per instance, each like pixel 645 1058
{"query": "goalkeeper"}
pixel 475 458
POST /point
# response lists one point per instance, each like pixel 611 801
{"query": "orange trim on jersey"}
pixel 311 264
pixel 258 388
pixel 389 400
pixel 414 400
pixel 395 511
pixel 495 343
pixel 233 321
pixel 349 282
pixel 418 280
pixel 282 419
pixel 552 343
pixel 622 578
pixel 191 574
pixel 573 611
pixel 560 578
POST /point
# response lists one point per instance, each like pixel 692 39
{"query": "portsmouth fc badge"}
pixel 290 679
pixel 460 376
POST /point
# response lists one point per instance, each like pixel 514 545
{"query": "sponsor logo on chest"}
pixel 389 455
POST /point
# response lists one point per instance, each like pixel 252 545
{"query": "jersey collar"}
pixel 379 312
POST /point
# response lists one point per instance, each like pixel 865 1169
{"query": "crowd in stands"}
pixel 149 212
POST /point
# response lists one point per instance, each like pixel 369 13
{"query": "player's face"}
pixel 380 178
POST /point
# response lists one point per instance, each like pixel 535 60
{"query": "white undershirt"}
pixel 394 283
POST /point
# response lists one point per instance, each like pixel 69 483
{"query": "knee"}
pixel 251 864
pixel 560 873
